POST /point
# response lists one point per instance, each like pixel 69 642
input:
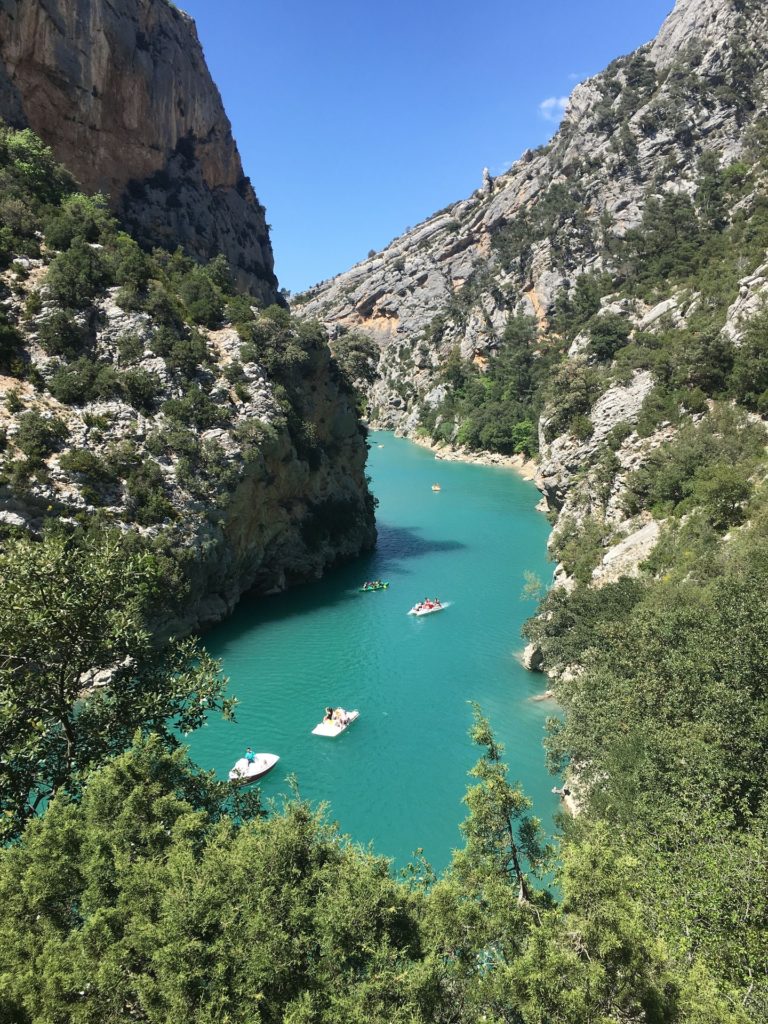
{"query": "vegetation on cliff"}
pixel 141 387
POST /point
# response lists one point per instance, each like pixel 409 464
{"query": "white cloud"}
pixel 552 109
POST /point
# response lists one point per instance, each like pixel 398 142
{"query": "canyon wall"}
pixel 122 94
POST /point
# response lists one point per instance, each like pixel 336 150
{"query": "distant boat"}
pixel 248 771
pixel 436 487
pixel 333 729
pixel 373 585
pixel 381 446
pixel 427 608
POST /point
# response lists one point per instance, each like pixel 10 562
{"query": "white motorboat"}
pixel 248 771
pixel 427 608
pixel 332 729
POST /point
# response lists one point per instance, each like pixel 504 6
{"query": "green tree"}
pixel 70 608
pixel 77 275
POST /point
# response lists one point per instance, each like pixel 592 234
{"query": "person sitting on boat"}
pixel 250 757
pixel 340 717
pixel 329 716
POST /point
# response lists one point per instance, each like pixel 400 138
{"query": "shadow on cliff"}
pixel 397 546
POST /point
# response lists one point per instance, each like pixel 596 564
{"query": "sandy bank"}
pixel 448 453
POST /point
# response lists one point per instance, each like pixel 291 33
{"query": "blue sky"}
pixel 357 120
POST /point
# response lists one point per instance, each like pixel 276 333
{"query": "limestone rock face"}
pixel 121 92
pixel 637 129
pixel 256 510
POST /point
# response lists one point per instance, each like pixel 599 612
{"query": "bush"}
pixel 749 380
pixel 130 347
pixel 38 435
pixel 76 276
pixel 13 401
pixel 140 389
pixel 196 409
pixel 181 352
pixel 10 344
pixel 83 381
pixel 86 464
pixel 59 335
pixel 581 427
pixel 607 335
pixel 357 356
pixel 129 265
pixel 174 439
pixel 80 217
pixel 579 546
pixel 204 302
pixel 145 491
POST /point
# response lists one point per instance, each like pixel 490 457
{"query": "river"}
pixel 396 776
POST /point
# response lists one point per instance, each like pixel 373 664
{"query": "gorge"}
pixel 174 439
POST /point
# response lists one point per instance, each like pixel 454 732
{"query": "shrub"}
pixel 184 353
pixel 13 401
pixel 174 439
pixel 86 464
pixel 77 275
pixel 10 343
pixel 140 389
pixel 85 380
pixel 129 265
pixel 749 379
pixel 85 218
pixel 38 435
pixel 579 546
pixel 145 490
pixel 203 300
pixel 60 335
pixel 195 409
pixel 130 347
pixel 238 309
pixel 607 335
pixel 581 427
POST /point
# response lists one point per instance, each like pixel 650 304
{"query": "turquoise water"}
pixel 396 777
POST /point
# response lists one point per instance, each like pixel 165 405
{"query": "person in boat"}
pixel 340 717
pixel 250 757
pixel 329 716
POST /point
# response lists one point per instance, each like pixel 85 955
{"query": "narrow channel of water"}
pixel 397 776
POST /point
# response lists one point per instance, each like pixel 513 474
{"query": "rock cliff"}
pixel 521 241
pixel 143 393
pixel 669 131
pixel 122 94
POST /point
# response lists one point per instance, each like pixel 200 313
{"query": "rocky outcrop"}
pixel 638 129
pixel 271 492
pixel 121 92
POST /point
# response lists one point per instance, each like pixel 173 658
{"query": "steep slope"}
pixel 519 243
pixel 122 94
pixel 141 392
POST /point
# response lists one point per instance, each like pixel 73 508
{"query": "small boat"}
pixel 332 729
pixel 436 487
pixel 427 608
pixel 248 771
pixel 373 585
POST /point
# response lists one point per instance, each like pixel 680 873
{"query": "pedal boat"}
pixel 331 730
pixel 426 609
pixel 245 771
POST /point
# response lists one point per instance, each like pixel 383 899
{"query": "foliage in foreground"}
pixel 70 607
pixel 144 900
